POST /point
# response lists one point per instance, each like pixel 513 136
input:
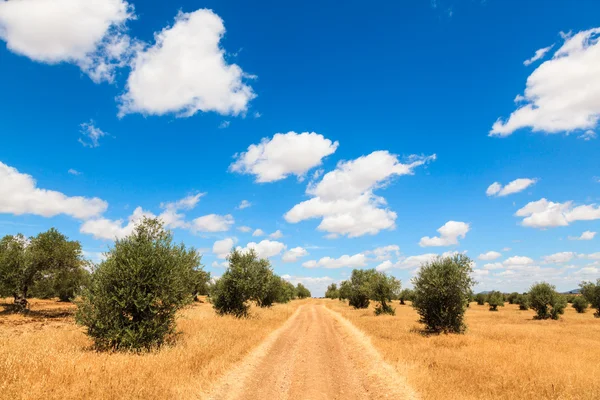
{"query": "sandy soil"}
pixel 316 354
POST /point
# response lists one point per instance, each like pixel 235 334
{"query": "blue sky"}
pixel 353 133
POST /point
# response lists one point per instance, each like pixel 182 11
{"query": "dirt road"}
pixel 316 354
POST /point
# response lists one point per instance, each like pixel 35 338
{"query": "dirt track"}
pixel 316 354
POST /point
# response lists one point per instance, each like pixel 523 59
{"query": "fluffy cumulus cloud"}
pixel 185 71
pixel 293 255
pixel 563 93
pixel 344 197
pixel 171 216
pixel 265 249
pixel 244 204
pixel 587 235
pixel 244 229
pixel 258 232
pixel 212 223
pixel 221 248
pixel 449 235
pixel 276 235
pixel 559 258
pixel 516 186
pixel 104 228
pixel 385 252
pixel 489 256
pixel 19 195
pixel 90 34
pixel 283 155
pixel 412 262
pixel 517 261
pixel 547 214
pixel 356 261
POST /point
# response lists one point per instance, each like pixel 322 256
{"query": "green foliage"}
pixel 480 298
pixel 570 298
pixel 546 302
pixel 523 302
pixel 360 287
pixel 591 292
pixel 345 290
pixel 332 291
pixel 442 290
pixel 580 304
pixel 302 292
pixel 512 298
pixel 405 295
pixel 199 283
pixel 382 289
pixel 48 263
pixel 495 299
pixel 135 293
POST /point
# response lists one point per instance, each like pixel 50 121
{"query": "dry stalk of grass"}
pixel 503 355
pixel 46 356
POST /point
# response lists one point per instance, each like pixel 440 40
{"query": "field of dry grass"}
pixel 46 356
pixel 503 355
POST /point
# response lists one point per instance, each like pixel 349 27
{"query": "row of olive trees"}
pixel 366 285
pixel 250 279
pixel 44 266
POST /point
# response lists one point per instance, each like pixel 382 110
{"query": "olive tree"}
pixel 345 290
pixel 48 259
pixel 405 295
pixel 135 293
pixel 442 289
pixel 302 291
pixel 360 287
pixel 580 304
pixel 332 291
pixel 546 302
pixel 382 289
pixel 495 299
pixel 591 292
pixel 480 298
pixel 523 302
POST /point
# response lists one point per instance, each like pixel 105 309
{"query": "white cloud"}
pixel 546 214
pixel 539 54
pixel 587 235
pixel 385 252
pixel 355 261
pixel 588 135
pixel 344 197
pixel 481 272
pixel 258 232
pixel 265 249
pixel 563 93
pixel 244 229
pixel 89 34
pixel 223 264
pixel 516 186
pixel 170 216
pixel 92 135
pixel 185 71
pixel 103 228
pixel 450 232
pixel 294 254
pixel 212 223
pixel 224 124
pixel 492 266
pixel 244 204
pixel 517 261
pixel 284 155
pixel 559 258
pixel 222 248
pixel 19 195
pixel 592 256
pixel 72 171
pixel 276 235
pixel 489 256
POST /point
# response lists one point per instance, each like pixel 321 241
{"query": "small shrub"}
pixel 495 299
pixel 591 292
pixel 580 304
pixel 546 302
pixel 512 298
pixel 442 290
pixel 523 302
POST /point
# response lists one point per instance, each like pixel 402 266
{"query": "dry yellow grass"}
pixel 46 356
pixel 503 355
